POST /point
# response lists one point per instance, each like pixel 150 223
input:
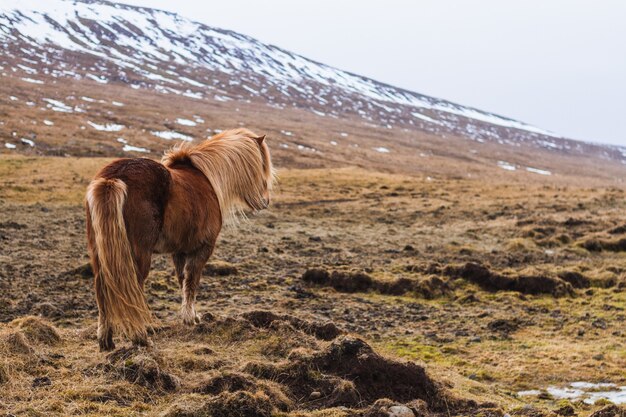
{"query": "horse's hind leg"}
pixel 179 265
pixel 105 328
pixel 142 261
pixel 191 280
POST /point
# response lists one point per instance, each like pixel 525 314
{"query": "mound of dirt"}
pixel 599 245
pixel 37 330
pixel 351 282
pixel 610 411
pixel 84 270
pixel 618 230
pixel 143 367
pixel 265 319
pixel 15 343
pixel 232 381
pixel 349 373
pixel 576 279
pixel 526 284
pixel 504 326
pixel 341 281
pixel 226 404
pixel 220 269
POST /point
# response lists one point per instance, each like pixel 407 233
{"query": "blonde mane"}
pixel 237 164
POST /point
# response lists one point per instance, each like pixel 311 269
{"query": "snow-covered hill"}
pixel 151 49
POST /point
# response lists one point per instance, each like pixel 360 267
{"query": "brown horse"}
pixel 136 207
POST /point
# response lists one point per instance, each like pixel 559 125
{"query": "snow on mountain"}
pixel 148 48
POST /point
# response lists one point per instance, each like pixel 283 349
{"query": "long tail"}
pixel 122 297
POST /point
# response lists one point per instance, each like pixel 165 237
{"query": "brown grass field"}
pixel 313 308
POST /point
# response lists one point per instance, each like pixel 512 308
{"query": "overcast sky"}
pixel 557 64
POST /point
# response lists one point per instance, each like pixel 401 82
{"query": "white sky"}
pixel 557 64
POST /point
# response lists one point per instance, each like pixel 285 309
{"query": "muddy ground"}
pixel 357 293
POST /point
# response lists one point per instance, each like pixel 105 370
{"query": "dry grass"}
pixel 485 345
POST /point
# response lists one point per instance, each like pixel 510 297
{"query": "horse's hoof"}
pixel 106 345
pixel 190 321
pixel 190 318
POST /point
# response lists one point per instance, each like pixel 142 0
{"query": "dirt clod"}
pixel 610 411
pixel 83 270
pixel 351 282
pixel 264 319
pixel 526 284
pixel 141 367
pixel 349 373
pixel 238 404
pixel 598 245
pixel 576 279
pixel 37 330
pixel 220 269
pixel 41 381
pixel 504 326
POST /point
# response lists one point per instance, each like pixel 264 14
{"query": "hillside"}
pixel 99 78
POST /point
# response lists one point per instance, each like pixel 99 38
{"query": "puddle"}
pixel 589 392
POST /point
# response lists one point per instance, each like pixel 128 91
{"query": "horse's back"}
pixel 148 184
pixel 192 215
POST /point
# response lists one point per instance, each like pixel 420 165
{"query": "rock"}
pixel 315 395
pixel 400 411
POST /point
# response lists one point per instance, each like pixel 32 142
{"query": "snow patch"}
pixel 58 106
pixel 506 166
pixel 108 127
pixel 32 81
pixel 169 135
pixel 538 171
pixel 588 392
pixel 129 148
pixel 186 122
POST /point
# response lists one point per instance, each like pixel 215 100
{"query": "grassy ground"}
pixel 491 286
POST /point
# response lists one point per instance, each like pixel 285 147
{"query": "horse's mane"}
pixel 237 164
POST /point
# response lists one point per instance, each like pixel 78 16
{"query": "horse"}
pixel 137 206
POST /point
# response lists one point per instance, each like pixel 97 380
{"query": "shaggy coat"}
pixel 136 207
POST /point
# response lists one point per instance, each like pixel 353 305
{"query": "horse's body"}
pixel 136 207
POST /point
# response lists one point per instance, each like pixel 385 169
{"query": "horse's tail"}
pixel 120 296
